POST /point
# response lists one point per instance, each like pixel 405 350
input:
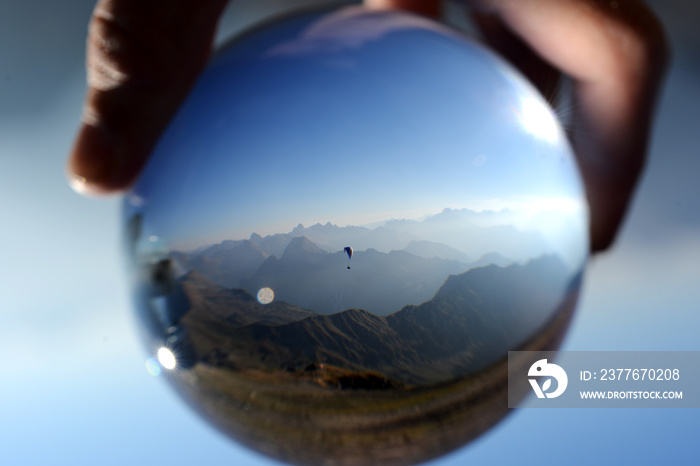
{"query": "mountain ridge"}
pixel 461 329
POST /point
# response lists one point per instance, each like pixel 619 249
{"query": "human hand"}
pixel 143 59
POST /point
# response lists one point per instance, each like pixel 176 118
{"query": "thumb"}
pixel 142 59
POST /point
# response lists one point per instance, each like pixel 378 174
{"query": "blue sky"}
pixel 285 129
pixel 74 389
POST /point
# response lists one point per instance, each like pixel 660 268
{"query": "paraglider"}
pixel 348 251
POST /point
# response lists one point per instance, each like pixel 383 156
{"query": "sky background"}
pixel 74 388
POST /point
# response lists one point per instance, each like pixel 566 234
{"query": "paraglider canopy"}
pixel 348 251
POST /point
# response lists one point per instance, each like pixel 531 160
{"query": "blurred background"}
pixel 74 388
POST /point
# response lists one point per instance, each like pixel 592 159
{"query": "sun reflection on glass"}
pixel 537 119
pixel 153 367
pixel 265 295
pixel 166 358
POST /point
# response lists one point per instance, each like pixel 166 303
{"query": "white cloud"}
pixel 349 28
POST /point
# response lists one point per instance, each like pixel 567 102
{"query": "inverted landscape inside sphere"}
pixel 352 219
pixel 425 313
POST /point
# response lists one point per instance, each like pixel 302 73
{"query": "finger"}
pixel 430 8
pixel 543 75
pixel 142 59
pixel 616 53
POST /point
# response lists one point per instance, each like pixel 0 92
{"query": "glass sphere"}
pixel 352 219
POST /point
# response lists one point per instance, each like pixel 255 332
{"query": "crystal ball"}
pixel 352 219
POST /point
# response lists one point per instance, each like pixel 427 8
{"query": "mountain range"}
pixel 473 319
pixel 308 276
pixel 392 265
pixel 455 234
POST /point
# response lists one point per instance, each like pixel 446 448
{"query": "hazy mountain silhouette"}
pixel 307 276
pixel 492 258
pixel 475 233
pixel 274 245
pixel 402 262
pixel 232 308
pixel 471 233
pixel 453 235
pixel 332 237
pixel 429 249
pixel 227 262
pixel 473 320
